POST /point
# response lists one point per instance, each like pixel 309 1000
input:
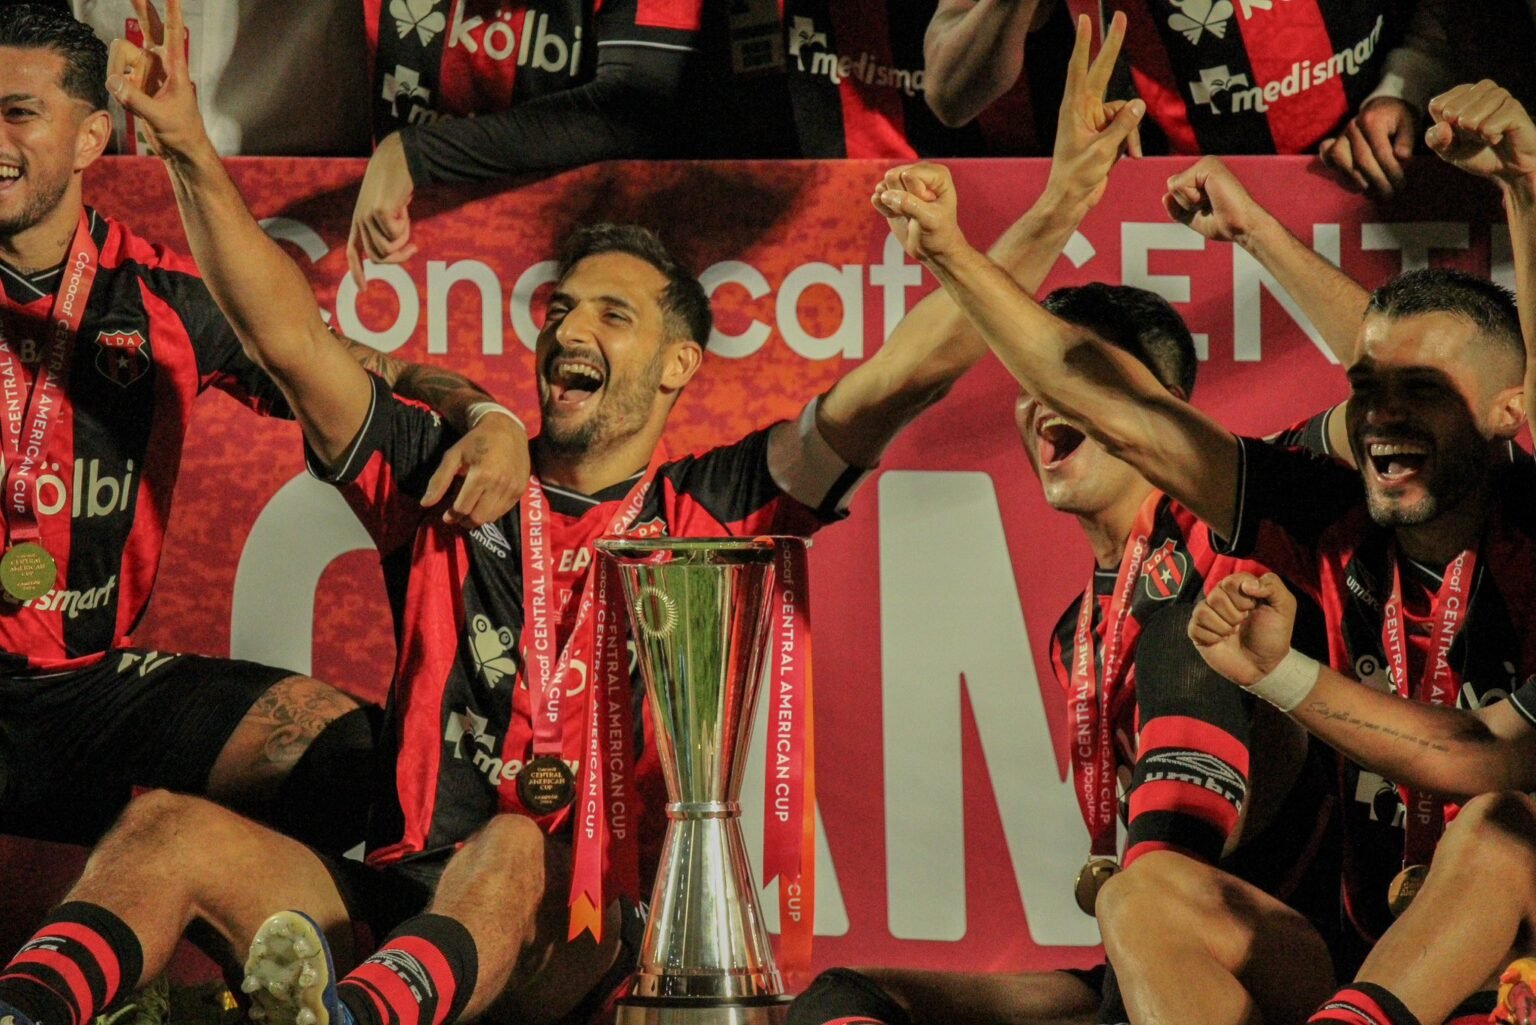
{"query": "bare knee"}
pixel 159 829
pixel 1158 887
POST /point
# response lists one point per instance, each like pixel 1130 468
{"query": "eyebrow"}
pixel 610 300
pixel 21 98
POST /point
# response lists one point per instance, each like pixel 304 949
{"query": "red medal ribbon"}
pixel 789 801
pixel 29 419
pixel 1439 685
pixel 584 651
pixel 1091 706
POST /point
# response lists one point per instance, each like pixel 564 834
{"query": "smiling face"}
pixel 46 137
pixel 1076 474
pixel 1430 409
pixel 603 354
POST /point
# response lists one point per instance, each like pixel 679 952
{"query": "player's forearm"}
pixel 935 343
pixel 1446 751
pixel 1331 299
pixel 973 57
pixel 262 293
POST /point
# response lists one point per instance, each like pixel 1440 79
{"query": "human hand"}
pixel 1370 152
pixel 1207 197
pixel 381 220
pixel 1092 135
pixel 152 82
pixel 1484 130
pixel 1242 628
pixel 493 460
pixel 919 204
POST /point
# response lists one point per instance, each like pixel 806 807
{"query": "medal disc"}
pixel 1404 887
pixel 1090 880
pixel 27 571
pixel 546 785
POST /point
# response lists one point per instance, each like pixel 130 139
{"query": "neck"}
pixel 1449 534
pixel 1110 528
pixel 588 472
pixel 46 243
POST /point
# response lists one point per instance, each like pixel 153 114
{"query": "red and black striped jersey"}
pixel 845 78
pixel 1255 76
pixel 150 341
pixel 1180 566
pixel 1330 547
pixel 459 709
pixel 435 58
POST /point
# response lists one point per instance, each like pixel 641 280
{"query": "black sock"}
pixel 844 996
pixel 1364 1003
pixel 75 966
pixel 325 798
pixel 429 962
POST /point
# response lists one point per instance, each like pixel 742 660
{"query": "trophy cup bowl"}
pixel 699 616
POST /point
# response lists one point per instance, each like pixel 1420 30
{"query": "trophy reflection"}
pixel 699 616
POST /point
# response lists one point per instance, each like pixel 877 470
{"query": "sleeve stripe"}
pixel 647 45
pixel 811 472
pixel 1518 699
pixel 344 471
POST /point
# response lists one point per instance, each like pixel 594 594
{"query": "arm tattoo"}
pixel 1340 715
pixel 295 711
pixel 449 393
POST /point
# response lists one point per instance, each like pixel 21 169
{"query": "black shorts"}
pixel 73 744
pixel 383 897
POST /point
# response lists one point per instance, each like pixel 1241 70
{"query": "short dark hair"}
pixel 42 27
pixel 1137 321
pixel 684 304
pixel 1488 307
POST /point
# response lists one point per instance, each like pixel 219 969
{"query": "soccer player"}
pixel 1151 726
pixel 1428 539
pixel 107 342
pixel 470 873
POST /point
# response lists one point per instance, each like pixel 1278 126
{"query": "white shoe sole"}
pixel 287 972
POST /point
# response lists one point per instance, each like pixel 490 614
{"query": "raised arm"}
pixel 269 303
pixel 1243 630
pixel 1105 391
pixel 1484 130
pixel 934 343
pixel 973 52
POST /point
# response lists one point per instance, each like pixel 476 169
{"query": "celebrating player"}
pixel 1429 539
pixel 107 342
pixel 474 857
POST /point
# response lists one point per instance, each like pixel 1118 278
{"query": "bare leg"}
pixel 1474 915
pixel 989 998
pixel 269 741
pixel 172 858
pixel 1192 943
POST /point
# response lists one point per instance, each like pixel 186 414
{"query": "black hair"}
pixel 1137 321
pixel 1489 307
pixel 46 27
pixel 684 304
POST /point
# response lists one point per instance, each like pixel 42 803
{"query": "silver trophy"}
pixel 699 615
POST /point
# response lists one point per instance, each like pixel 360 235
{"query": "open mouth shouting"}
pixel 10 173
pixel 573 379
pixel 1396 461
pixel 1056 441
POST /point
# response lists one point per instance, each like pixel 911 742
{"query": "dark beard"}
pixel 40 206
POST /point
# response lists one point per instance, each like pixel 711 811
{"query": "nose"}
pixel 576 326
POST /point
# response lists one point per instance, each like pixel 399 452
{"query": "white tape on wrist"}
pixel 1288 684
pixel 479 410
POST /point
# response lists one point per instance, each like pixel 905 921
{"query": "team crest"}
pixel 1162 575
pixel 122 358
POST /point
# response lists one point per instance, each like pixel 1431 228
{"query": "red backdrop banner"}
pixel 949 836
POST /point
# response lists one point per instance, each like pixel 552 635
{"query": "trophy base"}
pixel 766 1010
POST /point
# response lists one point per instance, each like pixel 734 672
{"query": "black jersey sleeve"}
pixel 645 55
pixel 1310 435
pixel 385 471
pixel 1287 499
pixel 221 362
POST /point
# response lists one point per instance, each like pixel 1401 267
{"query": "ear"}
pixel 92 138
pixel 680 362
pixel 1507 413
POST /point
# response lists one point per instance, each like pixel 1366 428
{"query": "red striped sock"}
pixel 422 975
pixel 74 967
pixel 1364 1003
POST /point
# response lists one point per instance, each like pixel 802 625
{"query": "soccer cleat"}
pixel 289 974
pixel 10 1016
pixel 1517 994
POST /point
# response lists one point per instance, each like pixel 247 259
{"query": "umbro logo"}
pixel 492 540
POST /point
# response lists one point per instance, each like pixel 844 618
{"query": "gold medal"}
pixel 27 571
pixel 546 785
pixel 1404 887
pixel 1091 879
